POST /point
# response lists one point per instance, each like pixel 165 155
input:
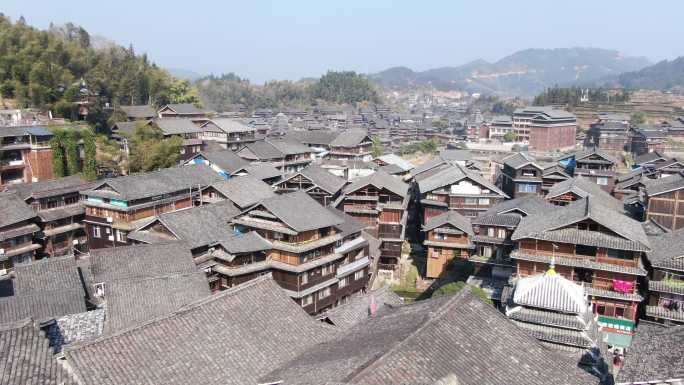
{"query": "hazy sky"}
pixel 291 39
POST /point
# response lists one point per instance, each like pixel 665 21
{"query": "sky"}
pixel 291 39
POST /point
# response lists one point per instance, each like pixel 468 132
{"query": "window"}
pixel 182 150
pixel 490 232
pixel 121 236
pixel 307 300
pixel 601 309
pixel 96 231
pixel 277 236
pixel 440 237
pixel 502 233
pixel 359 275
pixel 108 230
pixel 324 293
pixel 620 254
pixel 304 279
pixel 483 201
pixel 620 312
pixel 602 181
pixel 325 270
pixel 585 250
pixel 22 259
pixel 527 187
pixel 343 282
pixel 471 201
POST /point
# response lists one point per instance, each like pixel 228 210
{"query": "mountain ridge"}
pixel 524 73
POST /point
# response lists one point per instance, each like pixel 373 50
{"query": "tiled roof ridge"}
pixel 16 324
pixel 429 318
pixel 229 292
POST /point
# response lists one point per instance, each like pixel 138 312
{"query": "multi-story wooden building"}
pixel 241 191
pixel 456 188
pixel 60 211
pixel 317 255
pixel 664 201
pixel 577 188
pixel 230 134
pixel 17 230
pixel 666 278
pixel 500 126
pixel 352 145
pixel 447 236
pixel 492 237
pixel 611 132
pixel 316 181
pixel 25 155
pixel 545 128
pixel 379 201
pixel 115 207
pixel 182 110
pixel 595 246
pixel 187 130
pixel 286 155
pixel 521 175
pixel 594 165
pixel 139 112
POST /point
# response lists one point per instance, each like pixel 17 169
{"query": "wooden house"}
pixel 521 175
pixel 379 201
pixel 17 230
pixel 230 134
pixel 447 236
pixel 285 155
pixel 594 165
pixel 60 211
pixel 316 181
pixel 115 207
pixel 317 255
pixel 664 198
pixel 595 246
pixel 25 155
pixel 666 278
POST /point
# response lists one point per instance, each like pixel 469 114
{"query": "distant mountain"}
pixel 524 73
pixel 184 74
pixel 664 75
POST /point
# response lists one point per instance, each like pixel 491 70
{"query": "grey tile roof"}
pixel 380 180
pixel 583 154
pixel 556 226
pixel 315 137
pixel 288 147
pixel 526 205
pixel 321 178
pixel 543 317
pixel 649 157
pixel 452 218
pixel 226 160
pixel 184 108
pixel 584 188
pixel 27 357
pixel 454 174
pixel 350 224
pixel 663 185
pixel 300 212
pixel 133 301
pixel 505 220
pixel 455 155
pixel 357 310
pixel 165 181
pixel 656 355
pixel 263 150
pixel 197 226
pixel 350 138
pixel 231 125
pixel 140 261
pixel 244 191
pixel 47 188
pixel 177 126
pixel 245 243
pixel 262 171
pixel 43 290
pixel 427 166
pixel 80 327
pixel 139 112
pixel 429 340
pixel 667 251
pixel 393 159
pixel 558 335
pixel 521 159
pixel 13 210
pixel 229 338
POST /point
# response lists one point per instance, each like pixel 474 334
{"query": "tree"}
pixel 58 153
pixel 454 287
pixel 344 87
pixel 90 154
pixel 377 148
pixel 181 91
pixel 70 145
pixel 150 151
pixel 637 118
pixel 509 137
pixel 440 124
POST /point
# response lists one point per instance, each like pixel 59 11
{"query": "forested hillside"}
pixel 220 92
pixel 53 69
